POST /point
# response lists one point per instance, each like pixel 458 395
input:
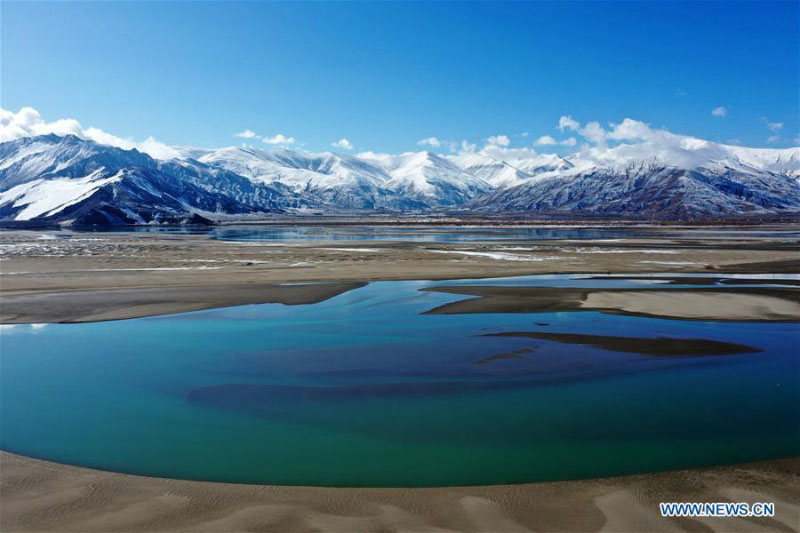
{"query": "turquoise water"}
pixel 365 390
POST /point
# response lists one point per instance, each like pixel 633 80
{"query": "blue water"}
pixel 365 390
pixel 443 234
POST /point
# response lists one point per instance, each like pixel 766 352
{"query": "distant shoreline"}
pixel 377 220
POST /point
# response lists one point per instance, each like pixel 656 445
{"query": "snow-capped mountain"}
pixel 328 179
pixel 369 181
pixel 79 181
pixel 696 181
pixel 429 178
pixel 71 179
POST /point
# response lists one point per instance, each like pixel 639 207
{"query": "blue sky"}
pixel 385 75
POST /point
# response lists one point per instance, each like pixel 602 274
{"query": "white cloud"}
pixel 774 126
pixel 278 139
pixel 547 140
pixel 505 154
pixel 343 144
pixel 772 139
pixel 719 112
pixel 632 141
pixel 27 122
pixel 468 147
pixel 430 141
pixel 247 134
pixel 594 133
pixel 498 140
pixel 566 122
pixel 157 149
pixel 630 130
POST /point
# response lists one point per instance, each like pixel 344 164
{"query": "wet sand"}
pixel 44 496
pixel 763 304
pixel 115 304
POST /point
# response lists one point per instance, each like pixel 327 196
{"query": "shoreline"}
pixel 79 277
pixel 452 220
pixel 39 495
pixel 103 305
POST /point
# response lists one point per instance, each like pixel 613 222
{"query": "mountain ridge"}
pixel 71 180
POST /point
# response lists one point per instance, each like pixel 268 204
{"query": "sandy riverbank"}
pixel 50 276
pixel 43 496
pixel 115 304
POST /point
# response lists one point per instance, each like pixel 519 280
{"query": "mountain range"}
pixel 72 180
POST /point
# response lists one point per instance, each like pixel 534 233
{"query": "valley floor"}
pixel 76 277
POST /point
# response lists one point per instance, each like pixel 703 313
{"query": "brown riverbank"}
pixel 43 496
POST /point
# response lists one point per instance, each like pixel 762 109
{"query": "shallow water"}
pixel 447 234
pixel 365 390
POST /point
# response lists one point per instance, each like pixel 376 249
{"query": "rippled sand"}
pixel 43 496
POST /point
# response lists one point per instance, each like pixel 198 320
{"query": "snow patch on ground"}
pixel 500 256
pixel 669 262
pixel 351 249
pixel 623 251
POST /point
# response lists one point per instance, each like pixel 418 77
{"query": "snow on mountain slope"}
pixel 48 197
pixel 326 179
pixel 429 178
pixel 496 173
pixel 368 181
pixel 509 168
pixel 780 161
pixel 297 170
pixel 541 163
pixel 48 156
